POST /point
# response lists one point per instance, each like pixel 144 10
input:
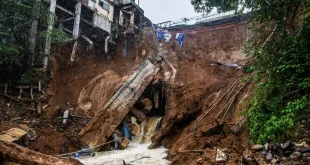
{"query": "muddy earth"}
pixel 202 94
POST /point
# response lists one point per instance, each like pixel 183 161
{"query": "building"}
pixel 99 21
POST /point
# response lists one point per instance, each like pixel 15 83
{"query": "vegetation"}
pixel 279 52
pixel 15 23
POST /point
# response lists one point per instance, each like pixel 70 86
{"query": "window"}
pixel 104 5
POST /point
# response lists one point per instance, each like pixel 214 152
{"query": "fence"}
pixel 206 20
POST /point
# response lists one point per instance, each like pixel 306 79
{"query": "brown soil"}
pixel 87 83
pixel 198 84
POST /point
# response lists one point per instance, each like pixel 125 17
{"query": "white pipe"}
pixel 106 44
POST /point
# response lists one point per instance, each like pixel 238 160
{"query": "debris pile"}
pixel 281 153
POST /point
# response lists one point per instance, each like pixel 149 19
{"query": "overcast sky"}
pixel 167 10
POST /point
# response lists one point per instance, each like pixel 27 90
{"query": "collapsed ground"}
pixel 196 80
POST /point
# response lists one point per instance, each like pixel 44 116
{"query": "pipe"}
pixel 106 44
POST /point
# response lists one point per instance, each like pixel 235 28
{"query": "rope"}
pixel 89 148
pixel 71 153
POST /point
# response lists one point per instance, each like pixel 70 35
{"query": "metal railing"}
pixel 214 17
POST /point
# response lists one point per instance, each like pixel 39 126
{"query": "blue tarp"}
pixel 126 131
pixel 83 152
pixel 180 39
pixel 160 34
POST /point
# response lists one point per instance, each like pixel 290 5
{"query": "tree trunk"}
pixel 15 153
pixel 33 31
pixel 51 19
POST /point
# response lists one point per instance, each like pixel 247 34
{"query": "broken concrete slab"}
pixel 12 135
pixel 15 153
pixel 101 127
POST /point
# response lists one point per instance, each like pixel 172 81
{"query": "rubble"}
pixel 257 147
pixel 101 127
pixel 31 136
pixel 284 152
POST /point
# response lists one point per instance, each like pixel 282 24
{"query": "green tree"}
pixel 278 54
pixel 16 18
pixel 220 5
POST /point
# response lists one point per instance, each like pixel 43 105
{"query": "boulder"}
pixel 220 156
pixel 302 149
pixel 269 157
pixel 257 147
pixel 266 146
pixel 199 161
pixel 248 155
pixel 295 155
pixel 306 154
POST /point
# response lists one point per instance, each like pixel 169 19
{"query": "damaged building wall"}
pixel 100 10
pixel 102 22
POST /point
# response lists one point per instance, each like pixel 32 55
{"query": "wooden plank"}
pixel 123 143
